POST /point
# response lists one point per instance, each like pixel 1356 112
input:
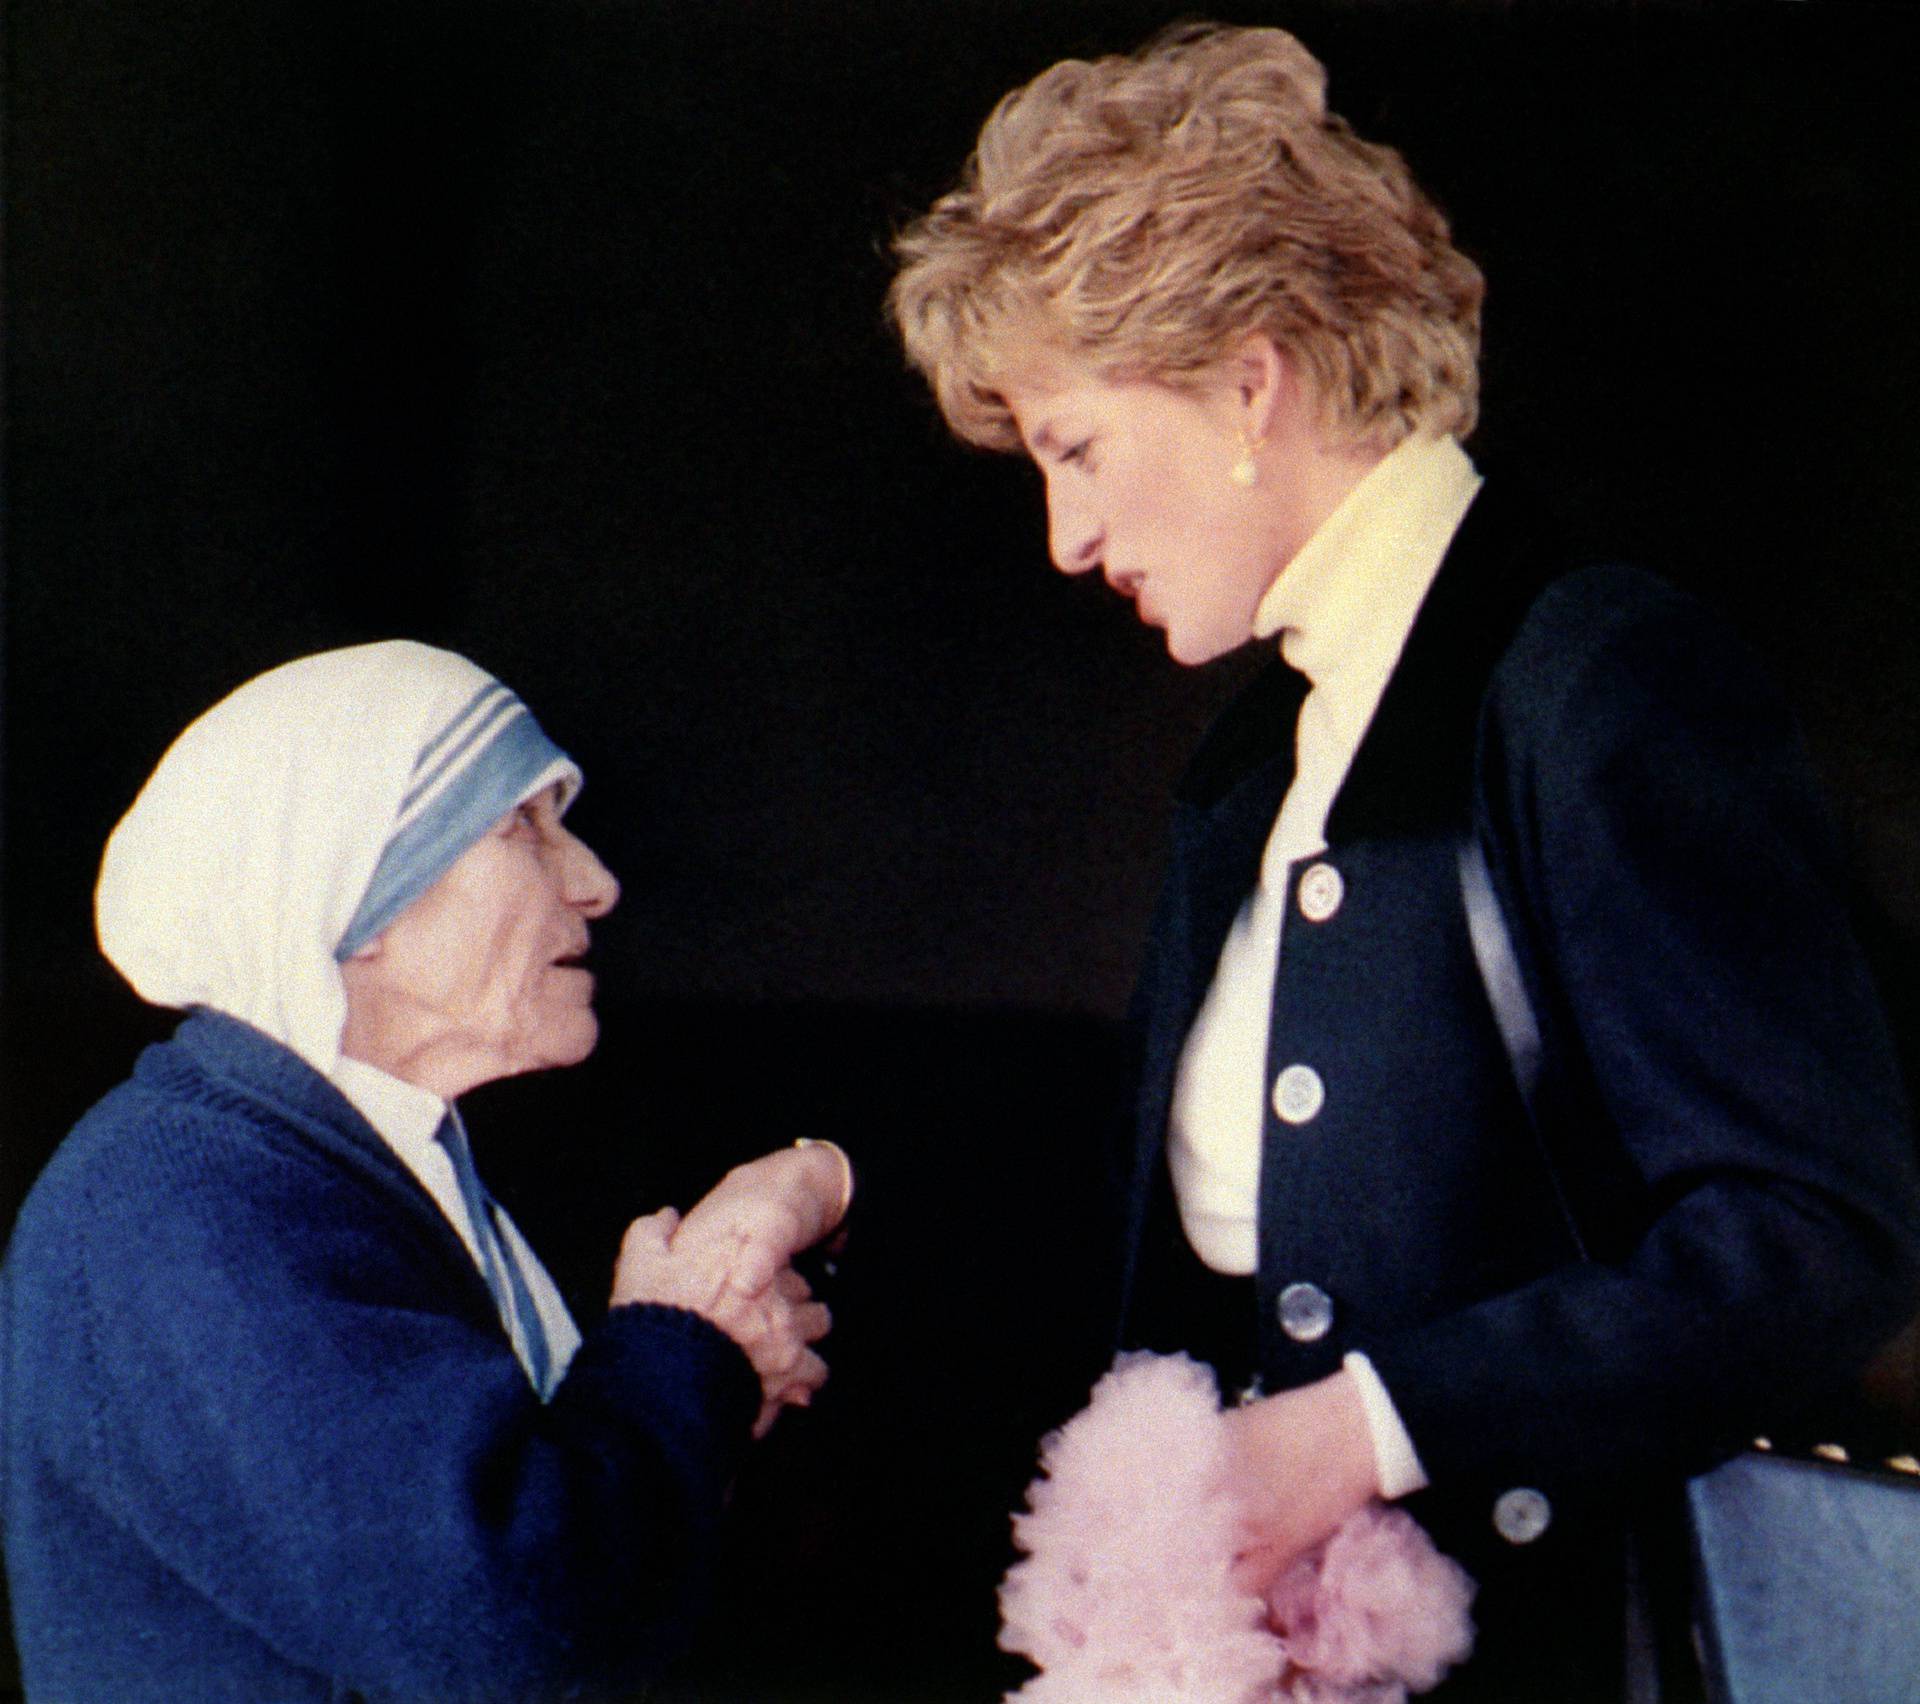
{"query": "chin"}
pixel 1190 650
pixel 563 1042
pixel 583 1039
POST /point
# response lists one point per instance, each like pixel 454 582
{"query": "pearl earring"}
pixel 1245 473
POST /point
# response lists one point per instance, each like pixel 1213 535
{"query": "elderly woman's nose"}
pixel 590 886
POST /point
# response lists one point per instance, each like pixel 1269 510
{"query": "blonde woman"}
pixel 1241 346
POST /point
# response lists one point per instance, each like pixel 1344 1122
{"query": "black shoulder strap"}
pixel 1513 1012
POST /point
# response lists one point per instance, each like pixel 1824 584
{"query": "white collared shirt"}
pixel 1342 609
pixel 408 1119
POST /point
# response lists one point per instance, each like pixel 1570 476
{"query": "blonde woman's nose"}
pixel 1074 538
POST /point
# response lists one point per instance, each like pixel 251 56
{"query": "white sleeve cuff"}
pixel 1395 1463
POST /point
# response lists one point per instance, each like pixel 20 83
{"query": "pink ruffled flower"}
pixel 1126 1590
pixel 1373 1614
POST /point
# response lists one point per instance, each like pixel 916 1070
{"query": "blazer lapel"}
pixel 1227 802
pixel 1225 809
pixel 1413 772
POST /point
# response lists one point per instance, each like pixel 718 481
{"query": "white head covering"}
pixel 298 817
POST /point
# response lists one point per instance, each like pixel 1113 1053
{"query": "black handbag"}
pixel 1806 1572
pixel 1806 1582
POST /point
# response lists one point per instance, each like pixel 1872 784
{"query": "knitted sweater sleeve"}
pixel 303 1409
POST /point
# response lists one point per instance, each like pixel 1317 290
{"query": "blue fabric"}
pixel 511 1297
pixel 504 751
pixel 265 1437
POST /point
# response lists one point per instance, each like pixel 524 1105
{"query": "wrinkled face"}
pixel 1138 486
pixel 484 965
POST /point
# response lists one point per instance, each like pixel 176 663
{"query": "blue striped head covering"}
pixel 296 819
pixel 490 756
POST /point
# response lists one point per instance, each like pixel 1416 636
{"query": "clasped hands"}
pixel 730 1260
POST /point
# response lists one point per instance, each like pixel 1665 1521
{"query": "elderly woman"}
pixel 1241 347
pixel 291 1408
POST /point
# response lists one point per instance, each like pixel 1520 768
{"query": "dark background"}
pixel 550 330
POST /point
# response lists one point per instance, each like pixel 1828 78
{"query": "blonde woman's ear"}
pixel 1264 384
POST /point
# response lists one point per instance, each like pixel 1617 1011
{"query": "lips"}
pixel 577 983
pixel 1140 590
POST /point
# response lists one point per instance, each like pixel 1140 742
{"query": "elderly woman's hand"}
pixel 776 1334
pixel 773 1324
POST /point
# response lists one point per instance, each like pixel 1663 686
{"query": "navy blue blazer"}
pixel 1726 1104
pixel 265 1436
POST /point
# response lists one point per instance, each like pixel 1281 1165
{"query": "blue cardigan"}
pixel 264 1437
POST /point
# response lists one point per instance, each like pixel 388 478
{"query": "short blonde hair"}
pixel 1146 212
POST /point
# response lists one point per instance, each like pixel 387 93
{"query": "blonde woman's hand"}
pixel 760 1215
pixel 1302 1462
